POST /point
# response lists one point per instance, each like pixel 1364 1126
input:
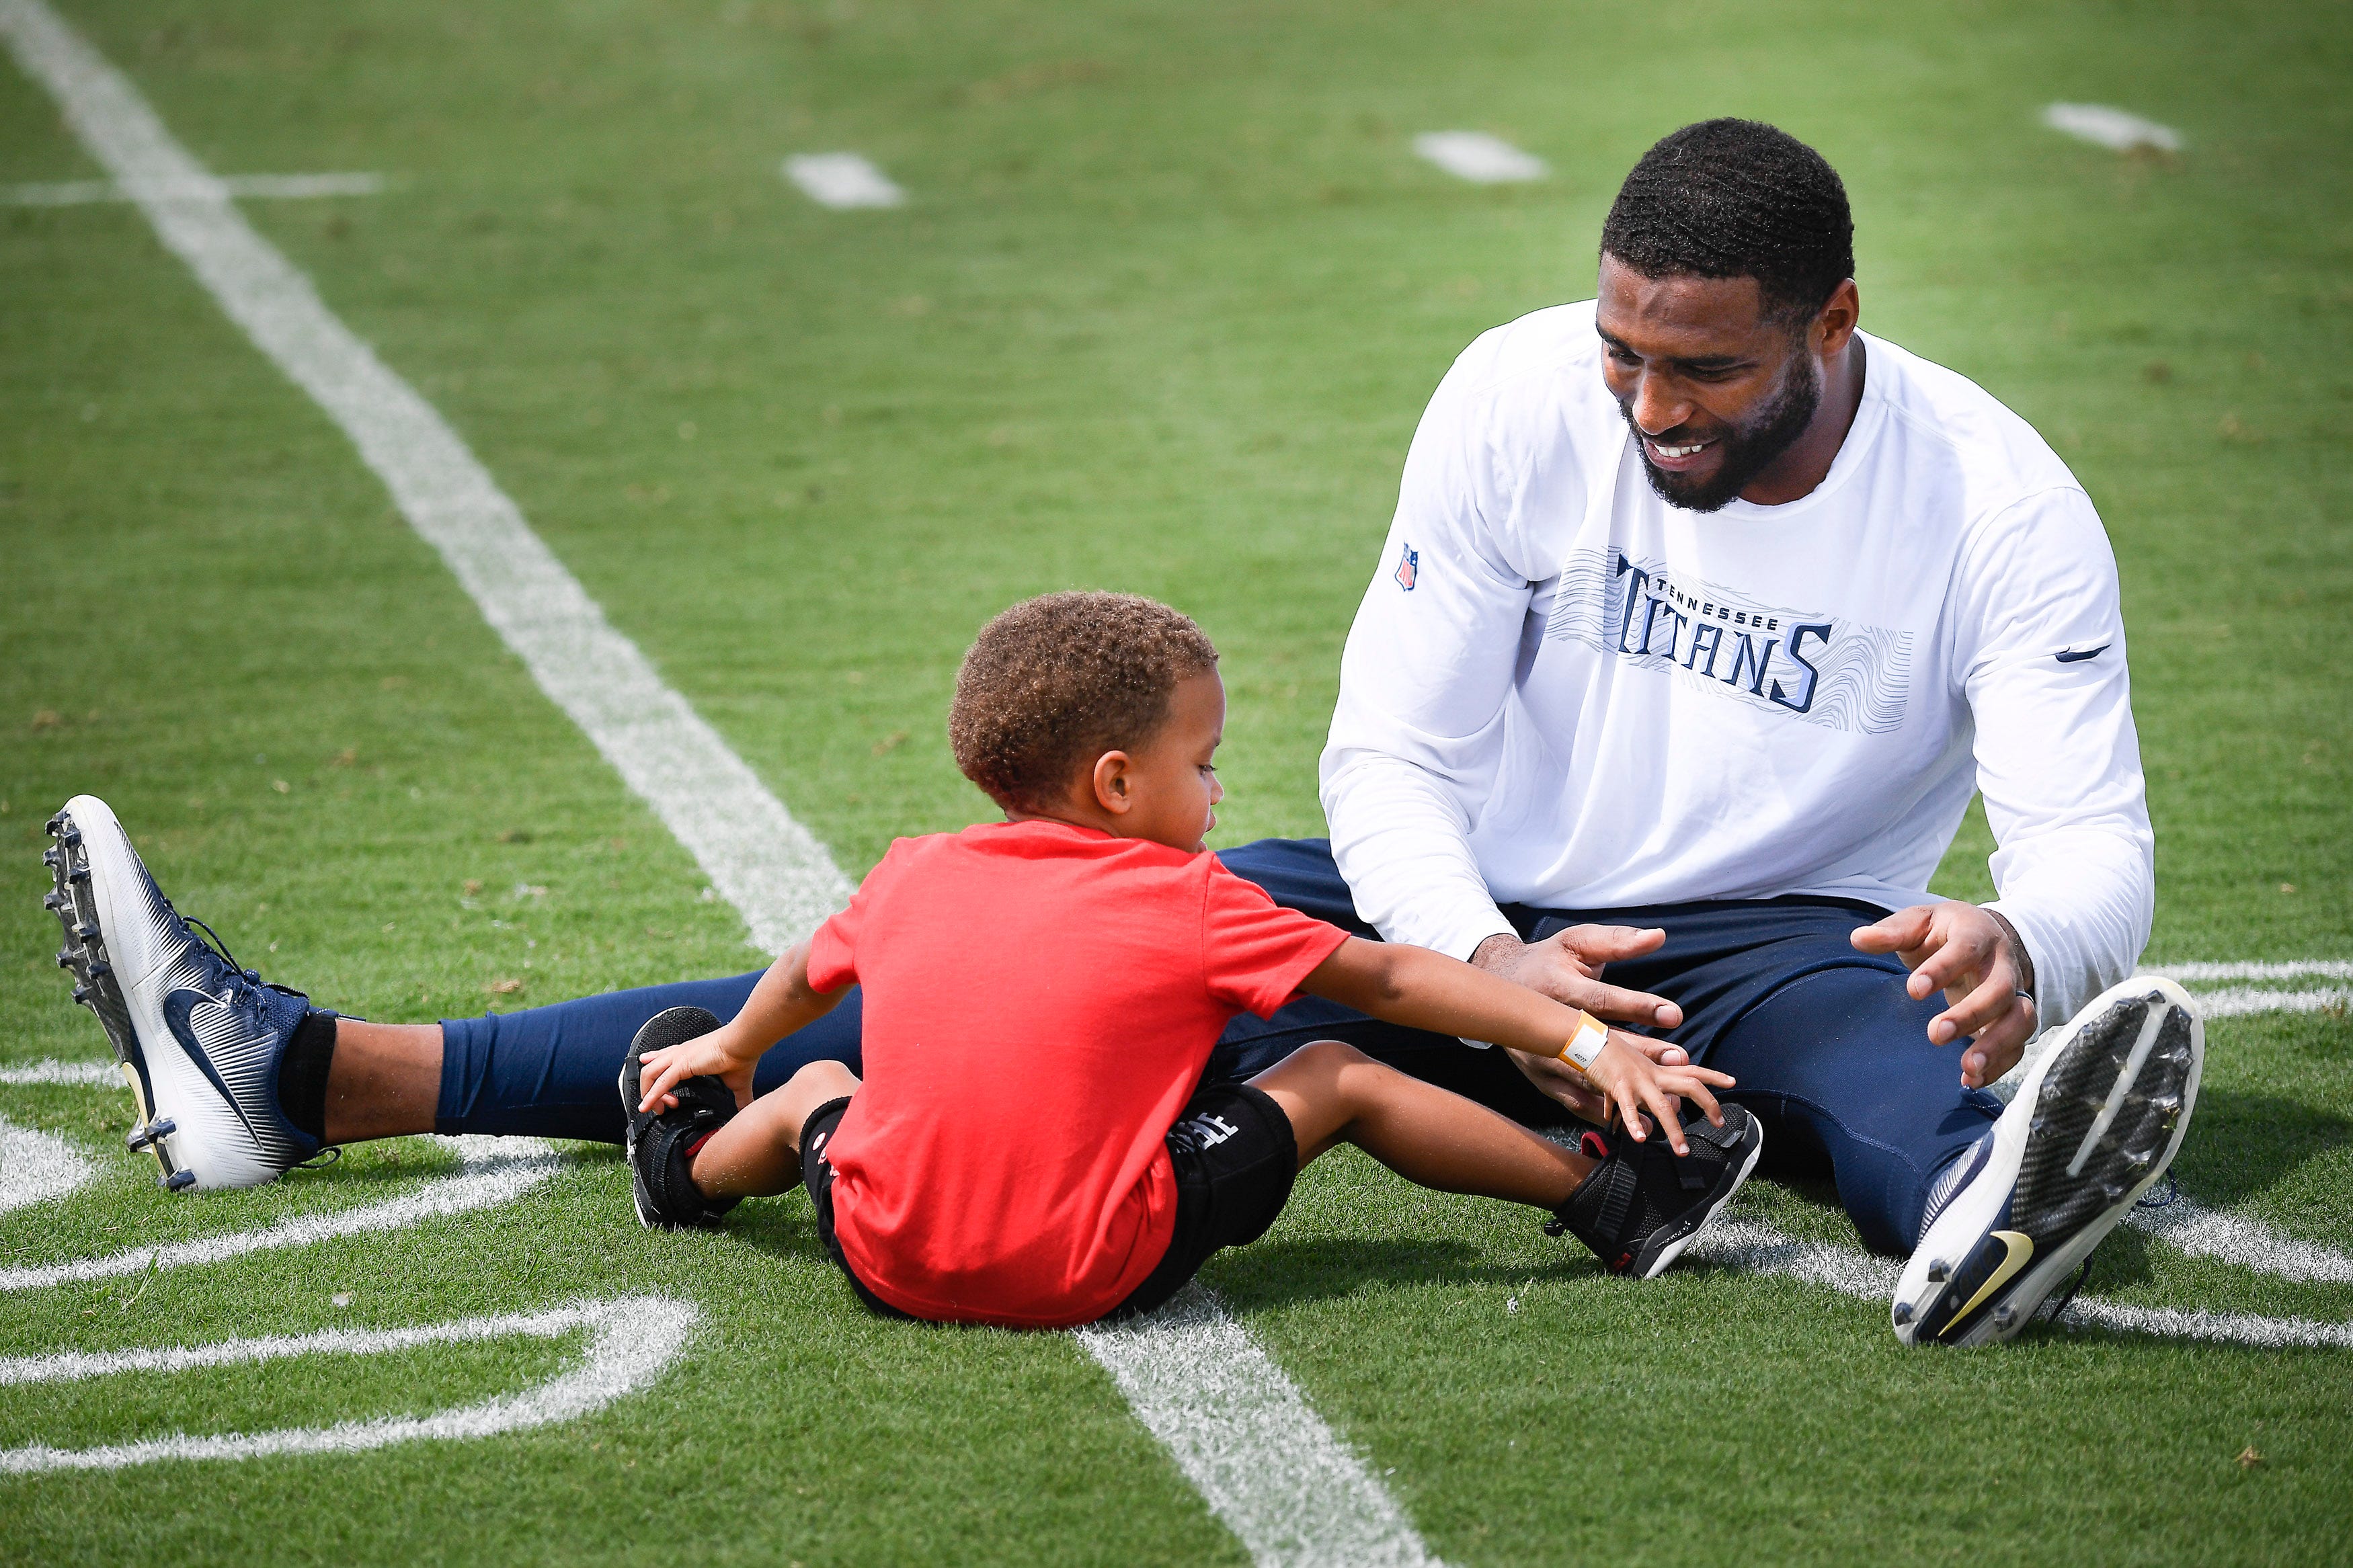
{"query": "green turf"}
pixel 1160 315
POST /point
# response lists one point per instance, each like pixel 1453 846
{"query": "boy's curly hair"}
pixel 1056 681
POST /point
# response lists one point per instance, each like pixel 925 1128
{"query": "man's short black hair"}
pixel 1737 198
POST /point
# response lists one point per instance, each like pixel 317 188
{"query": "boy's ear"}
pixel 1113 789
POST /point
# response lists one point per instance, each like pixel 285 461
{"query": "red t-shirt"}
pixel 1040 1000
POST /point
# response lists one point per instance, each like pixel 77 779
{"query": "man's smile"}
pixel 1677 457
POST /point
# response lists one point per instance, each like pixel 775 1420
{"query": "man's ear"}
pixel 1113 791
pixel 1834 324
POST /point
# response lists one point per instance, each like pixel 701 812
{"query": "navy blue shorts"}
pixel 1831 1054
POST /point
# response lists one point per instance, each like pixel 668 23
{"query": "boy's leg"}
pixel 758 1153
pixel 1336 1094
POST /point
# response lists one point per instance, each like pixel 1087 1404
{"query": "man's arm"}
pixel 2059 766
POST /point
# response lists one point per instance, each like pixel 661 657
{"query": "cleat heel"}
pixel 177 1182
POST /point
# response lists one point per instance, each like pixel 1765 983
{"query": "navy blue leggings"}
pixel 1831 1053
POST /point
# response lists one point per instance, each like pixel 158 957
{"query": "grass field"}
pixel 1164 302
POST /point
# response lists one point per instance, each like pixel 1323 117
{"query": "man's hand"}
pixel 1567 966
pixel 1971 955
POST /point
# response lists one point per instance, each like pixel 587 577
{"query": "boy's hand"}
pixel 1631 1084
pixel 717 1052
pixel 1557 1080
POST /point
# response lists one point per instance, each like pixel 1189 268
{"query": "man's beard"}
pixel 1749 447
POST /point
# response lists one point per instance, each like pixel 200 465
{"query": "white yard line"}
pixel 93 1074
pixel 1754 1245
pixel 2236 1238
pixel 632 1340
pixel 266 188
pixel 2239 1002
pixel 1244 1435
pixel 2290 969
pixel 2105 126
pixel 767 864
pixel 1480 158
pixel 36 1166
pixel 496 1171
pixel 843 180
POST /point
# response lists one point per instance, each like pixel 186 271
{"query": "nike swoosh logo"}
pixel 2073 657
pixel 2021 1251
pixel 176 1008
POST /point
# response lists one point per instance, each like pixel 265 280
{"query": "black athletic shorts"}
pixel 1235 1159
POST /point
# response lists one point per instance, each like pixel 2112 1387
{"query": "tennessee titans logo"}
pixel 1409 568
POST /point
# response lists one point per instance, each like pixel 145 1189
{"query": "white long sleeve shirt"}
pixel 1562 691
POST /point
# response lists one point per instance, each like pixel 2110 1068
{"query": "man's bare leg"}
pixel 384 1081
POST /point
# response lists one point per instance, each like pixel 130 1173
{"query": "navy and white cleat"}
pixel 197 1038
pixel 2096 1122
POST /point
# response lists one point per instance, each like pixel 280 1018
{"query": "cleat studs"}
pixel 77 873
pixel 2004 1315
pixel 53 902
pixel 1937 1272
pixel 100 968
pixel 144 1135
pixel 70 837
pixel 54 822
pixel 178 1181
pixel 65 961
pixel 1902 1312
pixel 86 929
pixel 84 992
pixel 50 857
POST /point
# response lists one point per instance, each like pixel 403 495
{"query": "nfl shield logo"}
pixel 1409 567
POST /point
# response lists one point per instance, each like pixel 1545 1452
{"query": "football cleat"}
pixel 2095 1122
pixel 662 1143
pixel 1643 1203
pixel 197 1038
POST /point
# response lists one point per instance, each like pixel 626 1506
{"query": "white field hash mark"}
pixel 766 863
pixel 1480 158
pixel 2105 126
pixel 632 1340
pixel 843 180
pixel 244 187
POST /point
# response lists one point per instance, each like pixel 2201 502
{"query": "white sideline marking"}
pixel 768 866
pixel 95 1074
pixel 2105 126
pixel 843 180
pixel 632 1340
pixel 1755 1245
pixel 1242 1434
pixel 765 864
pixel 1478 157
pixel 266 188
pixel 37 1166
pixel 2192 1227
pixel 496 1171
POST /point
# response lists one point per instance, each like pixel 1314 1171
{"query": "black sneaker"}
pixel 2096 1122
pixel 1643 1204
pixel 661 1144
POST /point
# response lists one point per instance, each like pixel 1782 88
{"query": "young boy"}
pixel 1031 1145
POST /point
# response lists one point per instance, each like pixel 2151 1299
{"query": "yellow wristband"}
pixel 1585 1044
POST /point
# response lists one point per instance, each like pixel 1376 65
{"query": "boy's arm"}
pixel 1426 990
pixel 781 1003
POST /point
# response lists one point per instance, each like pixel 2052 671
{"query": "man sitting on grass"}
pixel 1032 1144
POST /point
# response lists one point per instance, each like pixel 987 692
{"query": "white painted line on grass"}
pixel 36 1166
pixel 1480 158
pixel 2192 1227
pixel 266 188
pixel 2290 969
pixel 1243 1435
pixel 496 1171
pixel 2105 126
pixel 2239 1002
pixel 632 1340
pixel 93 1074
pixel 1755 1245
pixel 843 180
pixel 766 864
